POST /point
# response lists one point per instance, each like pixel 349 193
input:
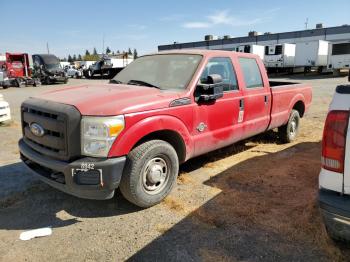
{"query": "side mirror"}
pixel 210 91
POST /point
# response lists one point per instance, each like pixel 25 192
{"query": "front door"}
pixel 216 123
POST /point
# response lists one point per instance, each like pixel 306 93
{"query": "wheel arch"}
pixel 167 128
pixel 300 107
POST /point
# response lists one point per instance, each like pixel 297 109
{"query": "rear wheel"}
pixel 289 132
pixel 150 173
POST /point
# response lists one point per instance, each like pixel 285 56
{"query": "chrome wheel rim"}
pixel 155 175
pixel 293 127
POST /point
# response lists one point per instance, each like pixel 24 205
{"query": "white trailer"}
pixel 252 49
pixel 280 56
pixel 339 56
pixel 120 62
pixel 64 64
pixel 311 54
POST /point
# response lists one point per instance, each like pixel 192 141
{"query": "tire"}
pixel 47 81
pixel 37 83
pixel 142 187
pixel 289 132
pixel 20 83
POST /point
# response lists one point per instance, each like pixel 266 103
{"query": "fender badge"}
pixel 201 127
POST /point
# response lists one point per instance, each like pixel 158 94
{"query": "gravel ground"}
pixel 255 201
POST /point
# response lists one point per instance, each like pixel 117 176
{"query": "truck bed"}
pixel 281 83
pixel 285 97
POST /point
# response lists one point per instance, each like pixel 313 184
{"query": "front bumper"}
pixel 5 114
pixel 58 78
pixel 335 210
pixel 90 178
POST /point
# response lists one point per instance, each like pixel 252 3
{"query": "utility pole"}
pixel 103 44
pixel 306 23
pixel 47 47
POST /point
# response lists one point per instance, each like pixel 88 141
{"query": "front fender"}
pixel 133 134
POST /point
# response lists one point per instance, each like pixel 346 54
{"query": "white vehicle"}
pixel 64 64
pixel 311 54
pixel 280 56
pixel 5 114
pixel 252 49
pixel 339 57
pixel 334 179
pixel 73 72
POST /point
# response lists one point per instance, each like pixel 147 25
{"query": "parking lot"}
pixel 251 201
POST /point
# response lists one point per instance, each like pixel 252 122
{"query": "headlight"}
pixel 99 133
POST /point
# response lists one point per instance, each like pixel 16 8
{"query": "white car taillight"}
pixel 334 138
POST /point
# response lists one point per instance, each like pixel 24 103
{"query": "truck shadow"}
pixel 265 212
pixel 35 204
pixel 22 193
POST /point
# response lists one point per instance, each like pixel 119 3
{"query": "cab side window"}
pixel 251 72
pixel 221 66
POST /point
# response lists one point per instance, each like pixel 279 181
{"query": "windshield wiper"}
pixel 141 83
pixel 115 81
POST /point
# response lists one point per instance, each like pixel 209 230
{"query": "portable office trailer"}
pixel 339 56
pixel 280 56
pixel 311 53
pixel 253 49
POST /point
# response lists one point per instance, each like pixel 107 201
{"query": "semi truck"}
pixel 15 71
pixel 160 111
pixel 47 68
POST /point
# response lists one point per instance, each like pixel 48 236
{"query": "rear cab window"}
pixel 221 66
pixel 251 72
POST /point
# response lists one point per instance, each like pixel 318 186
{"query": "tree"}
pixel 70 59
pixel 135 53
pixel 95 51
pixel 87 52
pixel 118 52
pixel 129 52
pixel 80 58
pixel 108 50
pixel 74 58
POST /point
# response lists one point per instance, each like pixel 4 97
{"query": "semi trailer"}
pixel 252 49
pixel 311 54
pixel 339 57
pixel 281 56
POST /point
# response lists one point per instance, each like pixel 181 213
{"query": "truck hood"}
pixel 111 99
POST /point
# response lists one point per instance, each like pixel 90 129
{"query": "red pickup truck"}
pixel 157 113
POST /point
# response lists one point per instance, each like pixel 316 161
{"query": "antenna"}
pixel 47 47
pixel 306 22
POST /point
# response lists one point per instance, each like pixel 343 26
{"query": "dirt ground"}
pixel 254 201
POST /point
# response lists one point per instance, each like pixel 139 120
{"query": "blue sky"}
pixel 70 27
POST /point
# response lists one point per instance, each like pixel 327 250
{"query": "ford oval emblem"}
pixel 37 129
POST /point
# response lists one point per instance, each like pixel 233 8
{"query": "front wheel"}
pixel 289 132
pixel 150 173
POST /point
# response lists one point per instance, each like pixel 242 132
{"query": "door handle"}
pixel 241 104
pixel 266 99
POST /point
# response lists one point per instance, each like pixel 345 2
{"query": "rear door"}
pixel 256 103
pixel 216 123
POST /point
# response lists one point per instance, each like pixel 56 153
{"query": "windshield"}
pixel 170 71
